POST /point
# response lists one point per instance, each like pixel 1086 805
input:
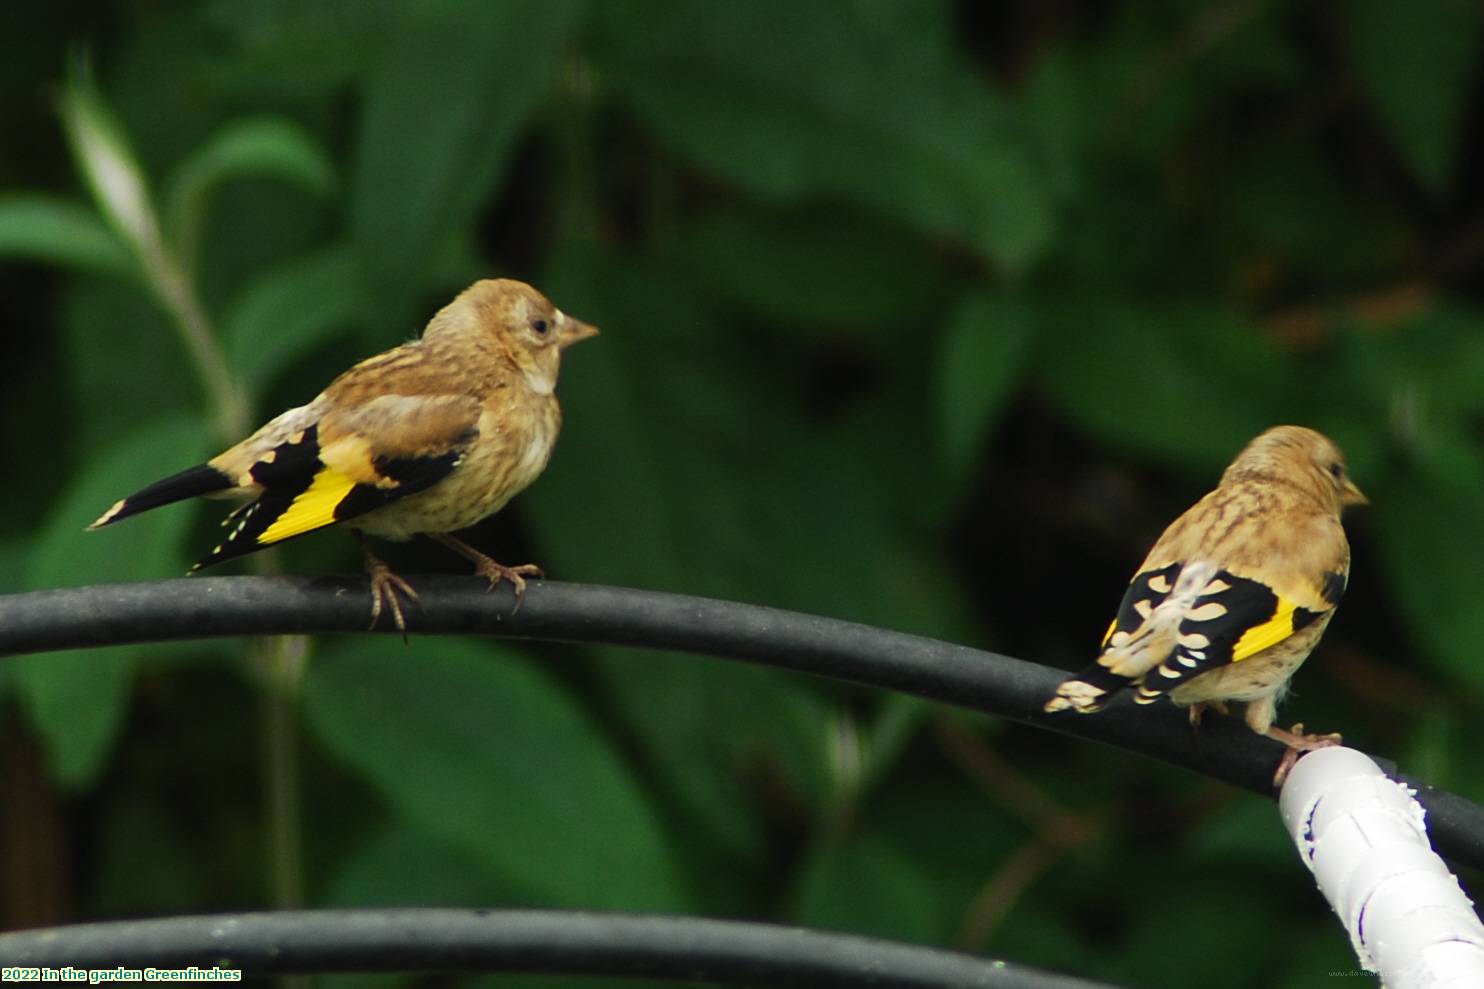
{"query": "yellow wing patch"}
pixel 1112 627
pixel 312 509
pixel 1269 633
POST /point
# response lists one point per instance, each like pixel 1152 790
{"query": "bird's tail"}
pixel 1088 691
pixel 199 480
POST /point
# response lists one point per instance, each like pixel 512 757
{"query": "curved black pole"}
pixel 684 949
pixel 204 607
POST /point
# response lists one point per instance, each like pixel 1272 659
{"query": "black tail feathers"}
pixel 199 480
pixel 1088 691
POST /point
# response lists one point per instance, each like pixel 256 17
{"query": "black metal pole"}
pixel 1000 685
pixel 684 949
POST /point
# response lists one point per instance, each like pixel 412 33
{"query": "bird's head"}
pixel 514 319
pixel 1302 457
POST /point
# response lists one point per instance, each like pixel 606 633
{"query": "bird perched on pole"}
pixel 1236 593
pixel 424 439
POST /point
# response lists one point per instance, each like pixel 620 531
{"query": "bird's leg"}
pixel 384 587
pixel 1197 710
pixel 1195 713
pixel 490 570
pixel 1298 743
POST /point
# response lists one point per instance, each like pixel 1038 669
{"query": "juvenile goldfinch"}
pixel 1236 593
pixel 424 439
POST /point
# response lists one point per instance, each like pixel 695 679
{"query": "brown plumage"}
pixel 424 439
pixel 1237 591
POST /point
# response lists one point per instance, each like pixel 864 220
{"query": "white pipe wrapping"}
pixel 1365 840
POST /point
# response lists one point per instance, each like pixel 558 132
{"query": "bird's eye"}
pixel 540 326
pixel 1336 471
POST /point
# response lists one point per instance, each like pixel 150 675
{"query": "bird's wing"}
pixel 1140 636
pixel 1147 592
pixel 1238 615
pixel 1183 619
pixel 336 460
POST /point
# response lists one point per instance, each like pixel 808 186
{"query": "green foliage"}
pixel 1417 62
pixel 253 147
pixel 796 101
pixel 1183 383
pixel 450 738
pixel 922 314
pixel 984 347
pixel 78 699
pixel 60 232
pixel 457 81
pixel 289 311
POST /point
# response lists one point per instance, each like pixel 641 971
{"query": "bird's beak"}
pixel 1351 495
pixel 572 330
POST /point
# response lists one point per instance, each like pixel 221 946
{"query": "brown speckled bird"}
pixel 425 439
pixel 1236 593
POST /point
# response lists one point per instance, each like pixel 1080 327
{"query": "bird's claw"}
pixel 496 572
pixel 385 586
pixel 1298 743
pixel 492 571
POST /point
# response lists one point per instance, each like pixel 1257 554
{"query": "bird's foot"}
pixel 1298 743
pixel 385 586
pixel 496 572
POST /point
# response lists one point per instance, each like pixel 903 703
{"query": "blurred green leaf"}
pixel 667 517
pixel 1429 526
pixel 830 269
pixel 825 508
pixel 1422 373
pixel 14 550
pixel 300 54
pixel 1281 214
pixel 77 698
pixel 815 101
pixel 1250 47
pixel 147 865
pixel 1187 384
pixel 718 737
pixel 401 864
pixel 606 433
pixel 35 227
pixel 1318 949
pixel 473 745
pixel 1041 934
pixel 893 725
pixel 671 513
pixel 985 346
pixel 1417 61
pixel 1433 750
pixel 445 104
pixel 120 354
pixel 1233 925
pixel 267 147
pixel 867 885
pixel 1054 107
pixel 1242 833
pixel 916 856
pixel 289 311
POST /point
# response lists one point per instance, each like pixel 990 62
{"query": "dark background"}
pixel 925 314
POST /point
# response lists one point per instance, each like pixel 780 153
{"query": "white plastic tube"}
pixel 1365 840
